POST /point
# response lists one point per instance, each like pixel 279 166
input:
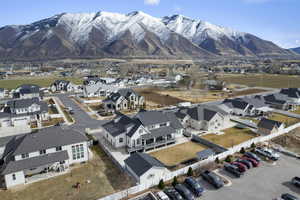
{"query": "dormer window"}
pixel 25 155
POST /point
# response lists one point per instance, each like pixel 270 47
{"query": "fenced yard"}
pixel 285 119
pixel 175 155
pixel 231 137
pixel 98 178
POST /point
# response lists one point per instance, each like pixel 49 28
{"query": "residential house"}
pixel 291 95
pixel 27 91
pixel 145 131
pixel 145 168
pixel 123 99
pixel 206 118
pixel 214 84
pixel 98 90
pixel 47 151
pixel 276 101
pixel 237 107
pixel 260 107
pixel 62 85
pixel 268 126
pixel 20 112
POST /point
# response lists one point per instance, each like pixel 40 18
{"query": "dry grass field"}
pixel 231 137
pixel 104 179
pixel 265 80
pixel 179 153
pixel 285 119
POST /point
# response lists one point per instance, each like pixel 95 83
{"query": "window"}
pixel 163 124
pixel 77 152
pixel 14 177
pixel 121 140
pixel 42 151
pixel 58 148
pixel 25 155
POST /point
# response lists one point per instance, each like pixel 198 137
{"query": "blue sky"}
pixel 275 20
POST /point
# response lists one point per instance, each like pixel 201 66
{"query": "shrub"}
pixel 229 158
pixel 175 181
pixel 190 172
pixel 242 151
pixel 253 145
pixel 161 184
pixel 217 160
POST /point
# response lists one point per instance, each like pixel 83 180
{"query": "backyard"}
pixel 99 177
pixel 175 155
pixel 285 119
pixel 231 137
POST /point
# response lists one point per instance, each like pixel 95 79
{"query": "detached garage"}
pixel 145 169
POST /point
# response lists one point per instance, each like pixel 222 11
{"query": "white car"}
pixel 162 196
pixel 267 153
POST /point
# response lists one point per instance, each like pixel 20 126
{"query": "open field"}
pixel 231 137
pixel 290 141
pixel 104 179
pixel 179 153
pixel 265 80
pixel 249 91
pixel 285 119
pixel 41 81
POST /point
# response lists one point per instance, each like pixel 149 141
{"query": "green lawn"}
pixel 41 81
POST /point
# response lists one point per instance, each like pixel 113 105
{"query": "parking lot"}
pixel 268 181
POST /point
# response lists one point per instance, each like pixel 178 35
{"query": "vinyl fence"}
pixel 171 175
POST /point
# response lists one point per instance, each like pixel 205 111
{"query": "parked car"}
pixel 213 179
pixel 296 181
pixel 268 153
pixel 184 192
pixel 254 162
pixel 233 170
pixel 245 162
pixel 253 156
pixel 194 186
pixel 173 194
pixel 162 196
pixel 241 167
pixel 288 196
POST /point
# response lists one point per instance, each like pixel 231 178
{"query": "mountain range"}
pixel 297 50
pixel 137 34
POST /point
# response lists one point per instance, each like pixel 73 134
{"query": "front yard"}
pixel 175 155
pixel 231 137
pixel 98 178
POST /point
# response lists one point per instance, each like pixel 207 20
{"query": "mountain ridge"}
pixel 136 34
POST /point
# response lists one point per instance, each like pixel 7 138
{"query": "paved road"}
pixel 289 114
pixel 82 119
pixel 264 183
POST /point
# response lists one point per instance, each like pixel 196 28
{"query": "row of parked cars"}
pixel 191 188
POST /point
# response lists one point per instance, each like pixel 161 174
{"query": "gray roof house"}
pixel 145 168
pixel 98 89
pixel 268 126
pixel 27 91
pixel 145 131
pixel 36 153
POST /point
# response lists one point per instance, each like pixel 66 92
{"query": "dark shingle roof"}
pixel 28 89
pixel 291 92
pixel 23 103
pixel 268 124
pixel 235 103
pixel 152 117
pixel 201 113
pixel 15 166
pixel 140 163
pixel 175 123
pixel 163 131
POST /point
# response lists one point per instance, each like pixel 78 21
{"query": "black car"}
pixel 296 181
pixel 173 194
pixel 184 192
pixel 253 156
pixel 233 170
pixel 288 196
pixel 194 186
pixel 213 179
pixel 245 162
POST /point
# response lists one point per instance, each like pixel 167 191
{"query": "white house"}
pixel 290 94
pixel 27 91
pixel 267 126
pixel 98 90
pixel 49 150
pixel 147 130
pixel 2 93
pixel 145 168
pixel 62 85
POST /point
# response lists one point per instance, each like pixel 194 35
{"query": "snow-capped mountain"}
pixel 136 34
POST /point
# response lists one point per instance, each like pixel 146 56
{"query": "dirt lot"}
pixel 179 153
pixel 290 141
pixel 266 80
pixel 231 137
pixel 104 179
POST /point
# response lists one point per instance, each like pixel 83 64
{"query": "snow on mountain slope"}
pixel 197 30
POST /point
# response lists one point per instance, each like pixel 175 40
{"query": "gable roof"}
pixel 200 113
pixel 291 92
pixel 175 123
pixel 152 117
pixel 23 103
pixel 28 89
pixel 268 124
pixel 236 103
pixel 140 163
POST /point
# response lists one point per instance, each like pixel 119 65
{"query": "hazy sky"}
pixel 275 20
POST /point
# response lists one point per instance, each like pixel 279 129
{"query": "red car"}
pixel 254 162
pixel 242 167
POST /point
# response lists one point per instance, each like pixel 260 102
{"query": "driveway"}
pixel 82 119
pixel 263 183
